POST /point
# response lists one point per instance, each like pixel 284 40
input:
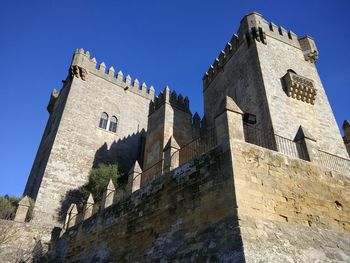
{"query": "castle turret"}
pixel 271 75
pixel 169 116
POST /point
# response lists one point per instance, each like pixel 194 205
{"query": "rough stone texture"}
pixel 253 77
pixel 236 203
pixel 290 210
pixel 20 241
pixel 22 209
pixel 73 142
pixel 165 121
pixel 318 119
pixel 187 215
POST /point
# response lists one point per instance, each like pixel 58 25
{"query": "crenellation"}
pixel 102 68
pixel 188 175
pixel 82 64
pixel 151 91
pixel 128 80
pixel 144 87
pixel 120 76
pixel 111 72
pixel 136 84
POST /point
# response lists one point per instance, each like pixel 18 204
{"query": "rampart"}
pixel 274 208
pixel 188 214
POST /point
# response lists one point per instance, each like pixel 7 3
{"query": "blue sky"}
pixel 159 42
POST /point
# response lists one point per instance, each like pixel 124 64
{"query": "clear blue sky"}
pixel 159 42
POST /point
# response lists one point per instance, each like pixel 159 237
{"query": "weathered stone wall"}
pixel 47 140
pixel 79 143
pixel 187 215
pixel 164 122
pixel 241 79
pixel 22 241
pixel 250 70
pixel 290 210
pixel 287 113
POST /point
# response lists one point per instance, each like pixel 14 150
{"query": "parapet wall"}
pixel 186 215
pixel 290 210
pixel 278 208
pixel 82 65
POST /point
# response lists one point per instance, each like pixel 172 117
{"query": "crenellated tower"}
pixel 97 116
pixel 271 75
pixel 170 119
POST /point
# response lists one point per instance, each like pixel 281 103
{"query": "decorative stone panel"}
pixel 300 88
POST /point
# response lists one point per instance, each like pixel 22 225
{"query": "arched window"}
pixel 113 124
pixel 103 120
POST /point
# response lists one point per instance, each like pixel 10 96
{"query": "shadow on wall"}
pixel 188 214
pixel 123 152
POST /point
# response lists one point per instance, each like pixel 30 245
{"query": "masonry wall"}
pixel 250 69
pixel 287 113
pixel 240 79
pixel 19 242
pixel 47 140
pixel 187 215
pixel 290 210
pixel 166 121
pixel 79 143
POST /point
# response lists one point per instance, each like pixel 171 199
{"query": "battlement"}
pixel 224 56
pixel 177 101
pixel 82 65
pixel 254 27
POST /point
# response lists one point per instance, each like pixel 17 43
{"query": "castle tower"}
pixel 271 75
pixel 97 116
pixel 169 116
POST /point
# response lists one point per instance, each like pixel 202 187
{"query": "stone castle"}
pixel 263 176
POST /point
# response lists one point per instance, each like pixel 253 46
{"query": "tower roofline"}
pixel 254 27
pixel 82 60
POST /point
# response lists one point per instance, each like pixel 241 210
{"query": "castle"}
pixel 266 159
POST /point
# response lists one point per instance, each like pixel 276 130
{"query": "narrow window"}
pixel 113 124
pixel 103 120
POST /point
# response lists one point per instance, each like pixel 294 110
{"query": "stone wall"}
pixel 22 241
pixel 290 210
pixel 251 70
pixel 241 79
pixel 78 143
pixel 269 208
pixel 288 113
pixel 187 215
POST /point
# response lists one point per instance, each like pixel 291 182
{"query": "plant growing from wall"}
pixel 96 185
